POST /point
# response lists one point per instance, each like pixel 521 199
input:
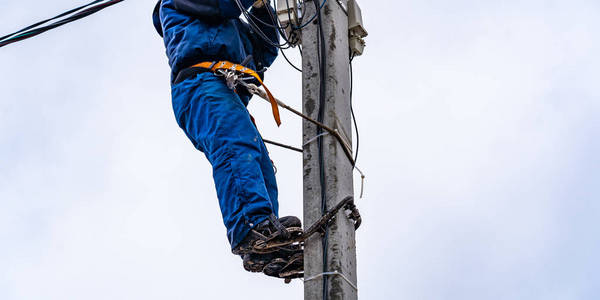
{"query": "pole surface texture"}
pixel 341 244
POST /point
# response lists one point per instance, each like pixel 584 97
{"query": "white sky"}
pixel 479 136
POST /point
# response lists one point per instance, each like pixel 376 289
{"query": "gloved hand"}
pixel 260 3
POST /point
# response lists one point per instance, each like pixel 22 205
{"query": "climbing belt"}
pixel 232 74
pixel 293 267
pixel 274 242
pixel 252 88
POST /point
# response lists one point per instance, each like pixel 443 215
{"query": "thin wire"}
pixel 321 51
pixel 315 138
pixel 312 18
pixel 33 32
pixel 282 33
pixel 255 27
pixel 303 6
pixel 274 25
pixel 342 7
pixel 334 273
pixel 48 20
pixel 277 25
pixel 352 111
pixel 280 29
pixel 283 145
pixel 253 89
pixel 289 62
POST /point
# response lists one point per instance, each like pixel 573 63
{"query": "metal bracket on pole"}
pixel 356 30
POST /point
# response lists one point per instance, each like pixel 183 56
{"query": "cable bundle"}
pixel 62 19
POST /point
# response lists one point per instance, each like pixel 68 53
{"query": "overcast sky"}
pixel 479 137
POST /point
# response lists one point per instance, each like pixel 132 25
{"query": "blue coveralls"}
pixel 213 116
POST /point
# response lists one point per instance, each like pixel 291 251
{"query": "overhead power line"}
pixel 61 19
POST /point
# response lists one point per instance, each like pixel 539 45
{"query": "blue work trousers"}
pixel 217 122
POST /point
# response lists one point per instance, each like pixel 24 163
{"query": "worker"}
pixel 215 119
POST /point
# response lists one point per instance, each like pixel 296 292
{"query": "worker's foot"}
pixel 255 262
pixel 285 228
pixel 287 269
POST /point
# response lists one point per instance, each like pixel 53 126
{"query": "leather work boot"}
pixel 288 269
pixel 272 228
pixel 255 262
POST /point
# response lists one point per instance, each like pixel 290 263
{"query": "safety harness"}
pixel 232 73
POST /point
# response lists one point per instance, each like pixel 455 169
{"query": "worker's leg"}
pixel 268 171
pixel 218 124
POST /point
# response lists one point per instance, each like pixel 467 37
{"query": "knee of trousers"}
pixel 243 196
pixel 240 184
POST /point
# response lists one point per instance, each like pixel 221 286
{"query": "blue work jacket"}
pixel 211 30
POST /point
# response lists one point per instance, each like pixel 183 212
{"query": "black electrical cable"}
pixel 321 115
pixel 290 63
pixel 40 30
pixel 352 111
pixel 51 19
pixel 280 29
pixel 261 34
pixel 276 25
pixel 283 34
pixel 31 31
pixel 275 19
pixel 290 17
pixel 258 30
pixel 303 9
pixel 311 19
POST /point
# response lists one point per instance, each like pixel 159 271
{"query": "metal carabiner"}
pixel 231 78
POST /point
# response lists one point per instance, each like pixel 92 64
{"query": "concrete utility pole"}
pixel 341 248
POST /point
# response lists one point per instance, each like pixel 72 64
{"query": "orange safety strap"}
pixel 225 65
